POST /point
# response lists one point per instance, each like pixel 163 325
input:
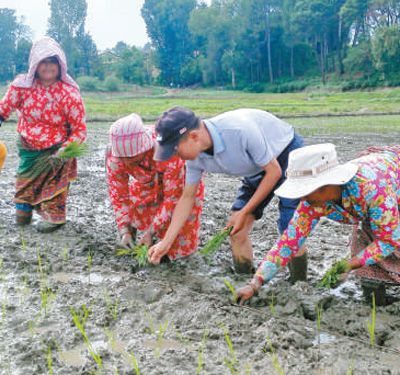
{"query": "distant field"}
pixel 318 107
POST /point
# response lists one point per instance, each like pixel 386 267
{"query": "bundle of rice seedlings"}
pixel 74 150
pixel 139 253
pixel 215 243
pixel 331 278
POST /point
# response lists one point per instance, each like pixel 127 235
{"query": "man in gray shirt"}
pixel 250 143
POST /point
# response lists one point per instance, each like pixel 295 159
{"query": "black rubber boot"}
pixel 243 266
pixel 379 289
pixel 298 268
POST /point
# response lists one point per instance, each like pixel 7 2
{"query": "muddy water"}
pixel 175 319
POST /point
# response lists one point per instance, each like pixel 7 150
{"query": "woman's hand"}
pixel 127 241
pixel 248 291
pixel 147 239
pixel 157 251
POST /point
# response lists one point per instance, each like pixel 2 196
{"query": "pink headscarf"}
pixel 129 137
pixel 42 49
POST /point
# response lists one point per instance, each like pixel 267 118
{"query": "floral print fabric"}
pixel 373 194
pixel 144 196
pixel 47 116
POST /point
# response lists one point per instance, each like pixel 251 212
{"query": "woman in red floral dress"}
pixel 51 116
pixel 144 192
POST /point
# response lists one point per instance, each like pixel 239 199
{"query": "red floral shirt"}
pixel 145 196
pixel 372 195
pixel 47 116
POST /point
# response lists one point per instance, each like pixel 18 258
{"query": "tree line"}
pixel 257 45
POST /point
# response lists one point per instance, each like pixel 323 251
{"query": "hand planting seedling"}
pixel 331 279
pixel 215 243
pixel 139 253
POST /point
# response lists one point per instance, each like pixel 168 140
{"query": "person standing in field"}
pixel 144 192
pixel 51 116
pixel 250 143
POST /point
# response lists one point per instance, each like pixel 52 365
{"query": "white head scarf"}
pixel 42 49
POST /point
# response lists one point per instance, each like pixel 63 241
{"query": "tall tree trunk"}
pixel 292 61
pixel 233 78
pixel 339 48
pixel 268 34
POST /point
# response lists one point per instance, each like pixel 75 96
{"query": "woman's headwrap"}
pixel 129 137
pixel 42 49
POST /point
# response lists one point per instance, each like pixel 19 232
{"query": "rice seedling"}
pixel 46 295
pixel 231 289
pixel 79 319
pixel 111 338
pixel 49 361
pixel 215 243
pixel 90 261
pixel 331 277
pixel 230 361
pixel 74 150
pixel 275 359
pixel 200 355
pixel 65 254
pixel 23 241
pixel 135 365
pixel 272 305
pixel 162 329
pixel 139 253
pixel 371 323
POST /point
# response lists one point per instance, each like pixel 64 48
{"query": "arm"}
pixel 173 179
pixel 303 222
pixel 10 102
pixel 181 213
pixel 118 190
pixel 75 116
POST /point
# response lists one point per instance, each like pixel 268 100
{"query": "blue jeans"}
pixel 250 185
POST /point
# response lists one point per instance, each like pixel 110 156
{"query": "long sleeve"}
pixel 301 225
pixel 383 213
pixel 118 190
pixel 10 102
pixel 76 118
pixel 172 185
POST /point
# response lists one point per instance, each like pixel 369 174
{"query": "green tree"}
pixel 167 27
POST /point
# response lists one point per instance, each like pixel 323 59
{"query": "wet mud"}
pixel 177 318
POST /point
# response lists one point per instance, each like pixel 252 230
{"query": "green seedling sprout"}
pixel 162 329
pixel 275 359
pixel 200 355
pixel 331 278
pixel 112 306
pixel 230 361
pixel 150 321
pixel 272 305
pixel 134 363
pixel 65 254
pixel 80 324
pixel 215 243
pixel 231 289
pixel 371 324
pixel 23 241
pixel 46 295
pixel 138 252
pixel 49 361
pixel 90 261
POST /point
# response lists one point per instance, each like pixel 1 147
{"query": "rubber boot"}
pixel 298 268
pixel 379 290
pixel 23 218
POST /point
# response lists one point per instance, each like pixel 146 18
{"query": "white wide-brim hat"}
pixel 312 167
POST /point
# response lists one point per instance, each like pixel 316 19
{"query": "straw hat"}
pixel 312 167
pixel 129 137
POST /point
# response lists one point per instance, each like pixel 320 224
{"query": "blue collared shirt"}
pixel 244 141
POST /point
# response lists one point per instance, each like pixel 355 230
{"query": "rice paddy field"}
pixel 70 305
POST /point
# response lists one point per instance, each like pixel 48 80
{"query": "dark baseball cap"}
pixel 170 128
